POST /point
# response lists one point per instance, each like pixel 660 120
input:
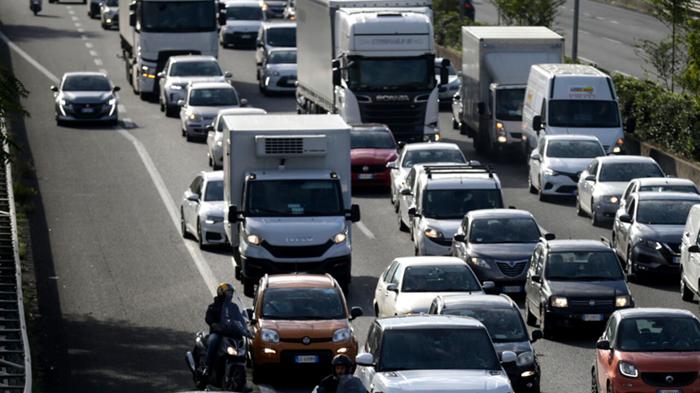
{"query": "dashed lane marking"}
pixel 614 22
pixel 88 45
pixel 98 62
pixel 81 30
pixel 83 37
pixel 93 53
pixel 363 228
pixel 75 18
pixel 78 24
pixel 612 40
pixel 121 108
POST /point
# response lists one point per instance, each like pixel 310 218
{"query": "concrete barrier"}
pixel 672 165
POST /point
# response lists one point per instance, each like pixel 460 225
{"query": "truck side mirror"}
pixel 537 123
pixel 222 16
pixel 481 108
pixel 354 213
pixel 233 213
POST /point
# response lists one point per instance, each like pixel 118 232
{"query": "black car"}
pixel 574 282
pixel 86 97
pixel 504 322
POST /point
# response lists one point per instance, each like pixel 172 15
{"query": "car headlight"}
pixel 433 233
pixel 253 239
pixel 650 244
pixel 558 302
pixel 480 262
pixel 628 369
pixel 193 116
pixel 525 358
pixel 622 301
pixel 112 101
pixel 213 219
pixel 341 335
pixel 264 6
pixel 64 103
pixel 614 200
pixel 340 237
pixel 270 336
pixel 232 351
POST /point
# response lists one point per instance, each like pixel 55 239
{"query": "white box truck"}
pixel 370 61
pixel 496 61
pixel 151 31
pixel 287 184
pixel 572 99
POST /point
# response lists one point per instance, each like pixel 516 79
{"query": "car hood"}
pixel 661 233
pixel 515 346
pixel 87 97
pixel 610 188
pixel 209 111
pixel 607 289
pixel 447 227
pixel 244 25
pixel 372 156
pixel 606 136
pixel 284 69
pixel 663 361
pixel 183 80
pixel 306 328
pixel 439 381
pixel 568 165
pixel 215 208
pixel 419 302
pixel 503 251
pixel 296 231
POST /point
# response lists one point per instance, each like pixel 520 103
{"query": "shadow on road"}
pixel 22 33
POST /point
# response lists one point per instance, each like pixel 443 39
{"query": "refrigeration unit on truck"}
pixel 287 184
pixel 153 30
pixel 370 61
pixel 496 61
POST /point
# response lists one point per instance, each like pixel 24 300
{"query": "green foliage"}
pixel 670 12
pixel 660 60
pixel 448 23
pixel 691 74
pixel 529 13
pixel 11 91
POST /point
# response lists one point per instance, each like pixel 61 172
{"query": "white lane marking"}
pixel 121 108
pixel 612 40
pixel 83 37
pixel 75 18
pixel 88 45
pixel 103 71
pixel 204 269
pixel 613 21
pixel 599 17
pixel 363 228
pixel 98 62
pixel 93 53
pixel 77 24
pixel 71 12
pixel 81 30
pixel 69 7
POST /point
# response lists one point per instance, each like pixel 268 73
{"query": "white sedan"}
pixel 202 209
pixel 409 284
pixel 215 134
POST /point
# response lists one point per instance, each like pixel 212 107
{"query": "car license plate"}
pixel 306 359
pixel 512 289
pixel 245 35
pixel 87 110
pixel 592 317
pixel 669 391
pixel 676 260
pixel 365 176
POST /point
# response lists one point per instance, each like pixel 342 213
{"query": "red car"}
pixel 648 350
pixel 373 146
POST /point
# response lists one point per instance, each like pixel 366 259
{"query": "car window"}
pixel 659 334
pixel 609 334
pixel 195 68
pixel 390 271
pixel 574 149
pixel 213 97
pixel 626 171
pixel 395 277
pixel 214 191
pixel 627 192
pixel 630 207
pixel 410 178
pixel 220 127
pixel 446 278
pixel 244 13
pixel 285 37
pixel 465 225
pixel 503 324
pixel 593 168
pixel 433 307
pixel 660 212
pixel 194 186
pixel 535 268
pixel 282 57
pixel 504 230
pixel 582 266
pixel 373 338
pixel 372 139
pixel 454 204
pixel 670 188
pixel 414 157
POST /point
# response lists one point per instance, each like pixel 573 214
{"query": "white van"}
pixel 572 99
pixel 690 256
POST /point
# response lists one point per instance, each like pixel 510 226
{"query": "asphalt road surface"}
pixel 122 292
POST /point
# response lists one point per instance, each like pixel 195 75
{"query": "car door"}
pixel 624 230
pixel 532 288
pixel 372 346
pixel 392 297
pixel 190 205
pixel 586 188
pixel 211 135
pixel 604 358
pixel 380 292
pixel 537 162
pixel 406 201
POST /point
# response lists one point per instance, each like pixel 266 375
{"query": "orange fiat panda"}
pixel 300 320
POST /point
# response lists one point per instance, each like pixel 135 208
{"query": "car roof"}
pixel 477 301
pixel 428 321
pixel 654 312
pixel 429 261
pixel 499 213
pixel 431 146
pixel 577 245
pixel 242 3
pixel 270 24
pixel 300 281
pixel 569 137
pixel 461 181
pixel 212 175
pixel 211 85
pixel 184 58
pixel 242 111
pixel 628 159
pixel 84 73
pixel 665 196
pixel 659 181
pixel 369 125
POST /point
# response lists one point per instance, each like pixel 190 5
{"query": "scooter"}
pixel 35 6
pixel 229 371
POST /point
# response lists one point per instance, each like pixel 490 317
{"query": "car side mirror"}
pixel 508 357
pixel 192 197
pixel 590 178
pixel 694 248
pixel 405 191
pixel 353 214
pixel 537 123
pixel 536 278
pixel 161 75
pixel 603 344
pixel 413 213
pixel 228 74
pixel 459 237
pixel 392 165
pixel 549 236
pixel 392 288
pixel 536 335
pixel 116 89
pixel 355 312
pixel 364 359
pixel 626 218
pixel 535 156
pixel 244 102
pixel 222 17
pixel 488 285
pixel 210 128
pixel 234 215
pixel 250 314
pixel 54 88
pixel 180 102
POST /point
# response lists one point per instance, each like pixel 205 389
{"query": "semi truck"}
pixel 370 61
pixel 287 186
pixel 151 31
pixel 496 62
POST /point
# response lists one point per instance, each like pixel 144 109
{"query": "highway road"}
pixel 121 292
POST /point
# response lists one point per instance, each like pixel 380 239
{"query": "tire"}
pixel 579 210
pixel 35 11
pixel 686 294
pixel 609 389
pixel 376 311
pixel 455 124
pixel 546 328
pixel 188 137
pixel 540 194
pixel 463 129
pixel 630 270
pixel 170 111
pixel 595 219
pixel 239 377
pixel 594 381
pixel 259 374
pixel 161 104
pixel 402 226
pixel 531 319
pixel 183 225
pixel 200 238
pixel 531 186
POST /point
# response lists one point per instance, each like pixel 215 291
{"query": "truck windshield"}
pixel 177 16
pixel 382 74
pixel 283 37
pixel 454 204
pixel 583 114
pixel 509 104
pixel 287 198
pixel 244 13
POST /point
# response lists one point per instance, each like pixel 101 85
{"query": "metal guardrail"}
pixel 15 358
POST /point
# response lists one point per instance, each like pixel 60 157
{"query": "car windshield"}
pixel 195 68
pixel 283 198
pixel 574 149
pixel 214 191
pixel 626 171
pixel 285 37
pixel 213 97
pixel 86 83
pixel 583 113
pixel 509 104
pixel 282 57
pixel 669 188
pixel 582 266
pixel 414 157
pixel 380 74
pixel 437 349
pixel 244 13
pixel 504 230
pixel 302 304
pixel 372 139
pixel 503 324
pixel 669 212
pixel 659 334
pixel 457 278
pixel 454 204
pixel 176 16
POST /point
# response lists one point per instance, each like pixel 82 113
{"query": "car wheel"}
pixel 594 381
pixel 610 389
pixel 629 267
pixel 402 226
pixel 579 210
pixel 455 124
pixel 686 294
pixel 463 130
pixel 183 225
pixel 200 238
pixel 376 311
pixel 531 319
pixel 545 325
pixel 595 217
pixel 211 162
pixel 540 194
pixel 416 251
pixel 188 137
pixel 162 104
pixel 531 186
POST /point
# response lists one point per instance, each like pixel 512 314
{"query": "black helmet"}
pixel 342 360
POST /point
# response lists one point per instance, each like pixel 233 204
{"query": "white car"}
pixel 215 135
pixel 243 20
pixel 278 72
pixel 179 72
pixel 202 209
pixel 409 284
pixel 203 102
pixel 555 165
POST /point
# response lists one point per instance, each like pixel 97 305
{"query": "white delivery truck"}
pixel 287 184
pixel 572 99
pixel 151 31
pixel 370 61
pixel 496 61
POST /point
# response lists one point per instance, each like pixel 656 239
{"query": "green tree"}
pixel 529 13
pixel 660 60
pixel 691 74
pixel 11 91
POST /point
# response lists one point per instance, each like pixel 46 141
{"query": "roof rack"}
pixel 457 169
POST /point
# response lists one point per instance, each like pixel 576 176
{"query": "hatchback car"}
pixel 202 209
pixel 179 72
pixel 602 183
pixel 556 163
pixel 574 282
pixel 300 320
pixel 243 20
pixel 372 147
pixel 498 244
pixel 215 134
pixel 109 14
pixel 203 102
pixel 410 284
pixel 86 97
pixel 647 236
pixel 502 318
pixel 278 72
pixel 652 350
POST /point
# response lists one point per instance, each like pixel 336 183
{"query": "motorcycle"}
pixel 229 371
pixel 35 6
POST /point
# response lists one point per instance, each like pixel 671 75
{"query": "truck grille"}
pixel 513 269
pixel 284 145
pixel 314 251
pixel 669 379
pixel 405 119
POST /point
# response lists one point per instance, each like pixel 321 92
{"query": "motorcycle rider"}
pixel 234 326
pixel 35 6
pixel 342 379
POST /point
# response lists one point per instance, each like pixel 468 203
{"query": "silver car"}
pixel 202 209
pixel 86 97
pixel 215 134
pixel 279 71
pixel 109 14
pixel 203 102
pixel 178 72
pixel 243 20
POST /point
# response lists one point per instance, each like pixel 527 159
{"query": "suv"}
pixel 432 353
pixel 300 320
pixel 442 195
pixel 574 281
